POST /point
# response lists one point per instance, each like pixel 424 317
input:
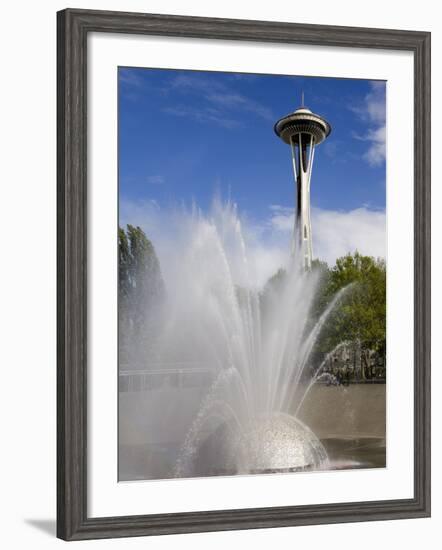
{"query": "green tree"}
pixel 361 313
pixel 124 260
pixel 141 292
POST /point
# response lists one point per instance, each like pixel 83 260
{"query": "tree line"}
pixel 360 314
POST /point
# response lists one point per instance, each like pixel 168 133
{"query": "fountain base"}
pixel 280 444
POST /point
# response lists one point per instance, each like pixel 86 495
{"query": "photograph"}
pixel 252 262
pixel 218 260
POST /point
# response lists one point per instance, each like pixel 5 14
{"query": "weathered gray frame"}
pixel 73 28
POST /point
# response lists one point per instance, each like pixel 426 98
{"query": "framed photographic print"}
pixel 243 274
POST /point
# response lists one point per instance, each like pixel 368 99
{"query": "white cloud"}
pixel 218 102
pixel 375 102
pixel 336 233
pixel 282 218
pixel 206 114
pixel 375 155
pixel 255 251
pixel 238 101
pixel 155 179
pixel 372 110
pixel 129 77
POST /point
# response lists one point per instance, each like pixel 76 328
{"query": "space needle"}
pixel 303 130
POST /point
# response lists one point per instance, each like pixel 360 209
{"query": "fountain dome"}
pixel 281 443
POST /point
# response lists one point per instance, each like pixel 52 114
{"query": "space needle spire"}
pixel 302 130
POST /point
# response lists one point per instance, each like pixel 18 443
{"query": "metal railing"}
pixel 165 376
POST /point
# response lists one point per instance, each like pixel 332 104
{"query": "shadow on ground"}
pixel 47 526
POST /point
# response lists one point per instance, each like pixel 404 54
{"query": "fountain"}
pixel 256 341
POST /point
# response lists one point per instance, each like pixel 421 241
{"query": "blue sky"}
pixel 187 135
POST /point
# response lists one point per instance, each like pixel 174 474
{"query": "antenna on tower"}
pixel 302 98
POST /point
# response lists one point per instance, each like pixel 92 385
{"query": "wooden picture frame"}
pixel 74 25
